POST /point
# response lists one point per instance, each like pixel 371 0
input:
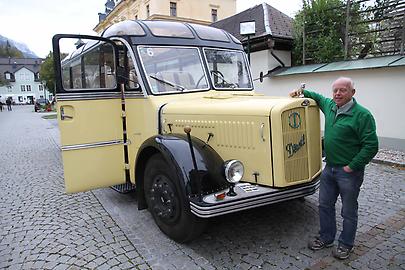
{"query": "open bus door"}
pixel 89 112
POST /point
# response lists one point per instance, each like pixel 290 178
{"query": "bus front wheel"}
pixel 166 203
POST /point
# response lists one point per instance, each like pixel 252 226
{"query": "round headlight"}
pixel 233 171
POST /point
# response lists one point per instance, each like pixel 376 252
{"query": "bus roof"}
pixel 172 33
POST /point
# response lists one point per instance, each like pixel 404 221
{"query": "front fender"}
pixel 175 149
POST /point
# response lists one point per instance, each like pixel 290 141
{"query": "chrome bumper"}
pixel 249 196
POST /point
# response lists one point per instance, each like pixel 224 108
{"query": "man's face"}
pixel 342 93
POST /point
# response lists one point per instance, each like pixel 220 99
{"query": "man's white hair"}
pixel 347 80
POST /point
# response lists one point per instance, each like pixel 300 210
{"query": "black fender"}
pixel 208 178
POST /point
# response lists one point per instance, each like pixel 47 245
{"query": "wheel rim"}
pixel 164 202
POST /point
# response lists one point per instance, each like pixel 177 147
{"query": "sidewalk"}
pixel 390 157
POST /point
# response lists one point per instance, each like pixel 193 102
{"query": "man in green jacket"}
pixel 350 142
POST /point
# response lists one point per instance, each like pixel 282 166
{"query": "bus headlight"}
pixel 233 171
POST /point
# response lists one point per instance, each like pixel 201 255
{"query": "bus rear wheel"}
pixel 167 204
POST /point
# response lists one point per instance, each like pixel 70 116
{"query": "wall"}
pixel 195 11
pixel 380 90
pixel 264 61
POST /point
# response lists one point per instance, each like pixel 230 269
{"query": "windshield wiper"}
pixel 175 86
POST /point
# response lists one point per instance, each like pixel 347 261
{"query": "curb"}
pixel 389 163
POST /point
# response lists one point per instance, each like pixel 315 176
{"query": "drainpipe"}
pixel 276 57
pixel 270 44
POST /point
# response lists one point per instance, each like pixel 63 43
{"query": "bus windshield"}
pixel 180 69
pixel 173 69
pixel 228 69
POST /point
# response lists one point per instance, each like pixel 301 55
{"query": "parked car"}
pixel 41 104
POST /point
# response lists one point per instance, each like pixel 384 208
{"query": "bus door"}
pixel 89 112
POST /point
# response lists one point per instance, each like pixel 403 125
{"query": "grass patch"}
pixel 50 116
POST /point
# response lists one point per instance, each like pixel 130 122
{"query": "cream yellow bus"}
pixel 169 108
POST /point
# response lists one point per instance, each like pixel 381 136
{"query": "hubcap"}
pixel 165 203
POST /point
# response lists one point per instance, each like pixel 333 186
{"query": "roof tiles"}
pixel 279 24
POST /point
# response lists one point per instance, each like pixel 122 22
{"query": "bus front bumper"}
pixel 248 196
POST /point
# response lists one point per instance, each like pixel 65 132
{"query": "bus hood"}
pixel 260 131
pixel 227 104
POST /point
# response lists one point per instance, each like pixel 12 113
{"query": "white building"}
pixel 379 82
pixel 20 80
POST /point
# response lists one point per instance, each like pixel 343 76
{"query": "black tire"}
pixel 167 204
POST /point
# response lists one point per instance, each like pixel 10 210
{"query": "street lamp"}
pixel 248 29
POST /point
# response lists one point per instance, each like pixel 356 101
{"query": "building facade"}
pixel 270 45
pixel 194 11
pixel 20 80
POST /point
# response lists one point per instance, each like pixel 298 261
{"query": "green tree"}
pixel 324 23
pixel 8 51
pixel 47 74
pixel 3 81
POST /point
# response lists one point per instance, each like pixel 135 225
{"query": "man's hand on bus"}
pixel 296 93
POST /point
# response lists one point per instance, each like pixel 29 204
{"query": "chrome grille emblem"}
pixel 294 120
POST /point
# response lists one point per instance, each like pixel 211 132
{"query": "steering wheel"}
pixel 199 81
pixel 219 75
pixel 223 83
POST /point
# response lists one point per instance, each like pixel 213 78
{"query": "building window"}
pixel 214 15
pixel 9 76
pixel 40 87
pixel 28 87
pixel 22 88
pixel 173 9
pixel 147 11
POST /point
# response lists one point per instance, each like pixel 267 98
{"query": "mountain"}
pixel 23 48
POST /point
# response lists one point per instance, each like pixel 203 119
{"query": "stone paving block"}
pixel 113 262
pixel 115 268
pixel 62 267
pixel 144 266
pixel 252 260
pixel 87 227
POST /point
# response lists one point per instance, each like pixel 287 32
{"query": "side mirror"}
pixel 261 76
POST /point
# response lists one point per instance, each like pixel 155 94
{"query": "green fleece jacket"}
pixel 350 138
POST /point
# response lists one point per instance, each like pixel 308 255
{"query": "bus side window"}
pixel 66 77
pixel 99 67
pixel 132 77
pixel 127 63
pixel 94 69
pixel 76 74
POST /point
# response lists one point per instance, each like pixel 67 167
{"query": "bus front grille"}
pixel 295 145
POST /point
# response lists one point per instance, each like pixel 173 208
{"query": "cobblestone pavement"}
pixel 41 227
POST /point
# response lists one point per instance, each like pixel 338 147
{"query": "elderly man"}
pixel 350 143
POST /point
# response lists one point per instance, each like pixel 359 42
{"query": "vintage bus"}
pixel 169 108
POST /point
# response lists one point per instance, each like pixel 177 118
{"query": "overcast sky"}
pixel 34 22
